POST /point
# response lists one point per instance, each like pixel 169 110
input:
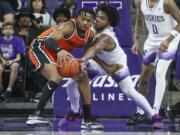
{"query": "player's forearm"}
pixel 138 27
pixel 100 62
pixel 90 53
pixel 171 8
pixel 174 33
pixel 50 43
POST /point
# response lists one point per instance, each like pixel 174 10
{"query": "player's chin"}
pixel 96 27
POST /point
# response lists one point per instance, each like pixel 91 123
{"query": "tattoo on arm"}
pixel 171 8
pixel 98 45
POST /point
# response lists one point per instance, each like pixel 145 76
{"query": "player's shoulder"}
pixel 65 27
pixel 106 37
pixel 68 23
pixel 169 4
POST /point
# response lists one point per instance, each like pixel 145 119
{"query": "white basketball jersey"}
pixel 158 22
pixel 117 55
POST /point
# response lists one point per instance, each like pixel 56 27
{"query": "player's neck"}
pixel 153 1
pixel 101 29
pixel 80 32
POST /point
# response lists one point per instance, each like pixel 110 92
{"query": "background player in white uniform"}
pixel 108 52
pixel 162 19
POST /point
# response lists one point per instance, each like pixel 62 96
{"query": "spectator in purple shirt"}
pixel 11 48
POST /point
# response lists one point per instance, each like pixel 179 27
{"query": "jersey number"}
pixel 155 31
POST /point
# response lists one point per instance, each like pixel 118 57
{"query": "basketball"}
pixel 69 69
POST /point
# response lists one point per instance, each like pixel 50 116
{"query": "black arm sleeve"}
pixel 50 43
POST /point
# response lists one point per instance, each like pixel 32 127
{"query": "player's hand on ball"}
pixel 63 57
pixel 70 68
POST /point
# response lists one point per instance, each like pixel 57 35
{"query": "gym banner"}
pixel 107 98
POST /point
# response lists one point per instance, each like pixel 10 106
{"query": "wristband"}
pixel 175 33
pixel 50 43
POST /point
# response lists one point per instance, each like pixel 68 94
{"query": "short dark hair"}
pixel 61 10
pixel 111 12
pixel 7 24
pixel 86 10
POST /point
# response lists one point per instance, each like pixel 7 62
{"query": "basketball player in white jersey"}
pixel 162 19
pixel 107 51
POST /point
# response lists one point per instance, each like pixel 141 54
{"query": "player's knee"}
pixel 52 85
pixel 82 77
pixel 56 78
pixel 119 76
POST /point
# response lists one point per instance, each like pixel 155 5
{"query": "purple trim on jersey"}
pixel 91 72
pixel 147 59
pixel 167 55
pixel 120 75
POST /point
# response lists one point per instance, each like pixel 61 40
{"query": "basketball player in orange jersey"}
pixel 52 47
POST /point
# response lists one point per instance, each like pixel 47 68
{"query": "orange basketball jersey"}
pixel 72 42
pixel 39 53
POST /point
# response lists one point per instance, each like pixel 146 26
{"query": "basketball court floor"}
pixel 17 126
